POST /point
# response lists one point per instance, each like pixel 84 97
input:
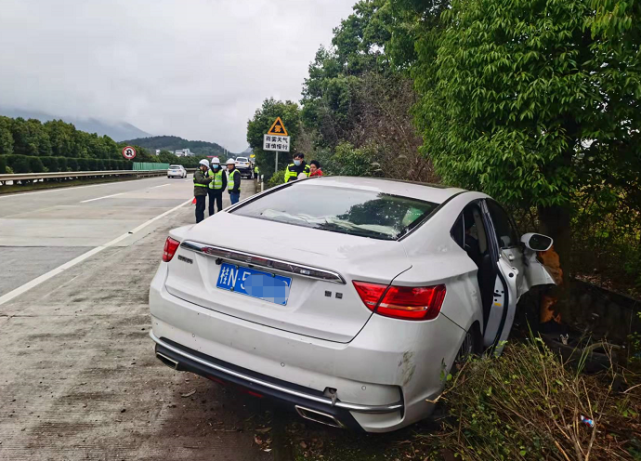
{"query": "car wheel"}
pixel 471 346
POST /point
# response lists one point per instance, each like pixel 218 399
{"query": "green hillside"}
pixel 172 143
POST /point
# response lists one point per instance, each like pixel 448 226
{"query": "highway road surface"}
pixel 79 379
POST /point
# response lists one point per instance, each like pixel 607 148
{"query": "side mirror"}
pixel 537 242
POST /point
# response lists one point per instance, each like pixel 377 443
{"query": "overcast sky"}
pixel 191 68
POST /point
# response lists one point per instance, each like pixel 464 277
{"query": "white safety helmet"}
pixel 231 161
pixel 204 162
pixel 215 161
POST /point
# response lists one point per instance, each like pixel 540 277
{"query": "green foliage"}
pixel 349 161
pixel 50 164
pixel 260 124
pixel 6 138
pixel 527 405
pixel 3 165
pixel 173 143
pixel 276 179
pixel 18 163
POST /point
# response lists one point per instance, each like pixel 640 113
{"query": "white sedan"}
pixel 176 171
pixel 346 298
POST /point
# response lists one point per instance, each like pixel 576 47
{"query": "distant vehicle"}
pixel 244 166
pixel 347 298
pixel 176 171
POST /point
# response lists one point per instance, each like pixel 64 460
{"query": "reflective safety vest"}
pixel 230 180
pixel 217 183
pixel 256 169
pixel 291 173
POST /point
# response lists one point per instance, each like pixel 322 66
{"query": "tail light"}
pixel 171 246
pixel 408 303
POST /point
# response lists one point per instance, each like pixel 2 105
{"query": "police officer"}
pixel 233 182
pixel 216 186
pixel 201 184
pixel 294 170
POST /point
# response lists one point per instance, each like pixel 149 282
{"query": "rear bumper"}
pixel 184 359
pixel 386 377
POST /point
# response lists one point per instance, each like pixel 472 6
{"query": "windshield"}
pixel 174 167
pixel 241 159
pixel 336 209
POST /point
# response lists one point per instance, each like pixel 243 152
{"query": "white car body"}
pixel 324 352
pixel 176 171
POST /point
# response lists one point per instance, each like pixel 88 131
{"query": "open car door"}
pixel 517 270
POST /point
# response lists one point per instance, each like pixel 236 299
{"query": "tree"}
pixel 260 124
pixel 6 138
pixel 531 100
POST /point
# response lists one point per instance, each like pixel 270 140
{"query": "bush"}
pixel 62 163
pixel 276 179
pixel 51 164
pixel 84 164
pixel 35 165
pixel 3 165
pixel 72 164
pixel 19 163
pixel 528 405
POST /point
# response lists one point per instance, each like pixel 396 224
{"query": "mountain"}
pixel 118 131
pixel 172 143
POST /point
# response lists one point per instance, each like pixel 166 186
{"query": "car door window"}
pixel 505 232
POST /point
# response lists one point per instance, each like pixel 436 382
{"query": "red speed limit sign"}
pixel 129 153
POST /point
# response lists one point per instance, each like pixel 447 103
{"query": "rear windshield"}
pixel 174 167
pixel 349 211
pixel 241 159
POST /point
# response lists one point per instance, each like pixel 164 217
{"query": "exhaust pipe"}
pixel 171 363
pixel 318 417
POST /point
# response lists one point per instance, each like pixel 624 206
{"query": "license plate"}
pixel 257 284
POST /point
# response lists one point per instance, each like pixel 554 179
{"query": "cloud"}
pixel 192 68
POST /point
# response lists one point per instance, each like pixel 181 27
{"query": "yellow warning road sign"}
pixel 278 128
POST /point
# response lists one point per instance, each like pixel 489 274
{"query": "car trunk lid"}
pixel 321 302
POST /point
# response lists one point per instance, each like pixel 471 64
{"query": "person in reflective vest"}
pixel 233 182
pixel 256 172
pixel 294 170
pixel 217 185
pixel 201 184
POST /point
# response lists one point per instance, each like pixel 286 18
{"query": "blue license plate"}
pixel 257 284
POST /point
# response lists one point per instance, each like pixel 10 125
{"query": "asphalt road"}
pixel 79 379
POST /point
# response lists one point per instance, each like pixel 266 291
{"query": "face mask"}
pixel 216 167
pixel 297 162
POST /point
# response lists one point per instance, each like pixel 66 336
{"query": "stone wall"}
pixel 607 314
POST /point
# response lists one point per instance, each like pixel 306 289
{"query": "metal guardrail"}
pixel 79 174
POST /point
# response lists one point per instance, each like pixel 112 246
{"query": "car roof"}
pixel 434 193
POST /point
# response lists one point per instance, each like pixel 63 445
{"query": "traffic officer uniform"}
pixel 217 186
pixel 201 184
pixel 293 171
pixel 233 182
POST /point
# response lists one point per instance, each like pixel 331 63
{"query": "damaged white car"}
pixel 345 298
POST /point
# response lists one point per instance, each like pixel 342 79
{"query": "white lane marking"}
pixel 121 193
pixel 56 189
pixel 60 269
pixel 100 198
pixel 61 189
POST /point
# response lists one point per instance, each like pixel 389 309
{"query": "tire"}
pixel 471 346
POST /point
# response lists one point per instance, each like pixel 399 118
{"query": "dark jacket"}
pixel 201 177
pixel 235 186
